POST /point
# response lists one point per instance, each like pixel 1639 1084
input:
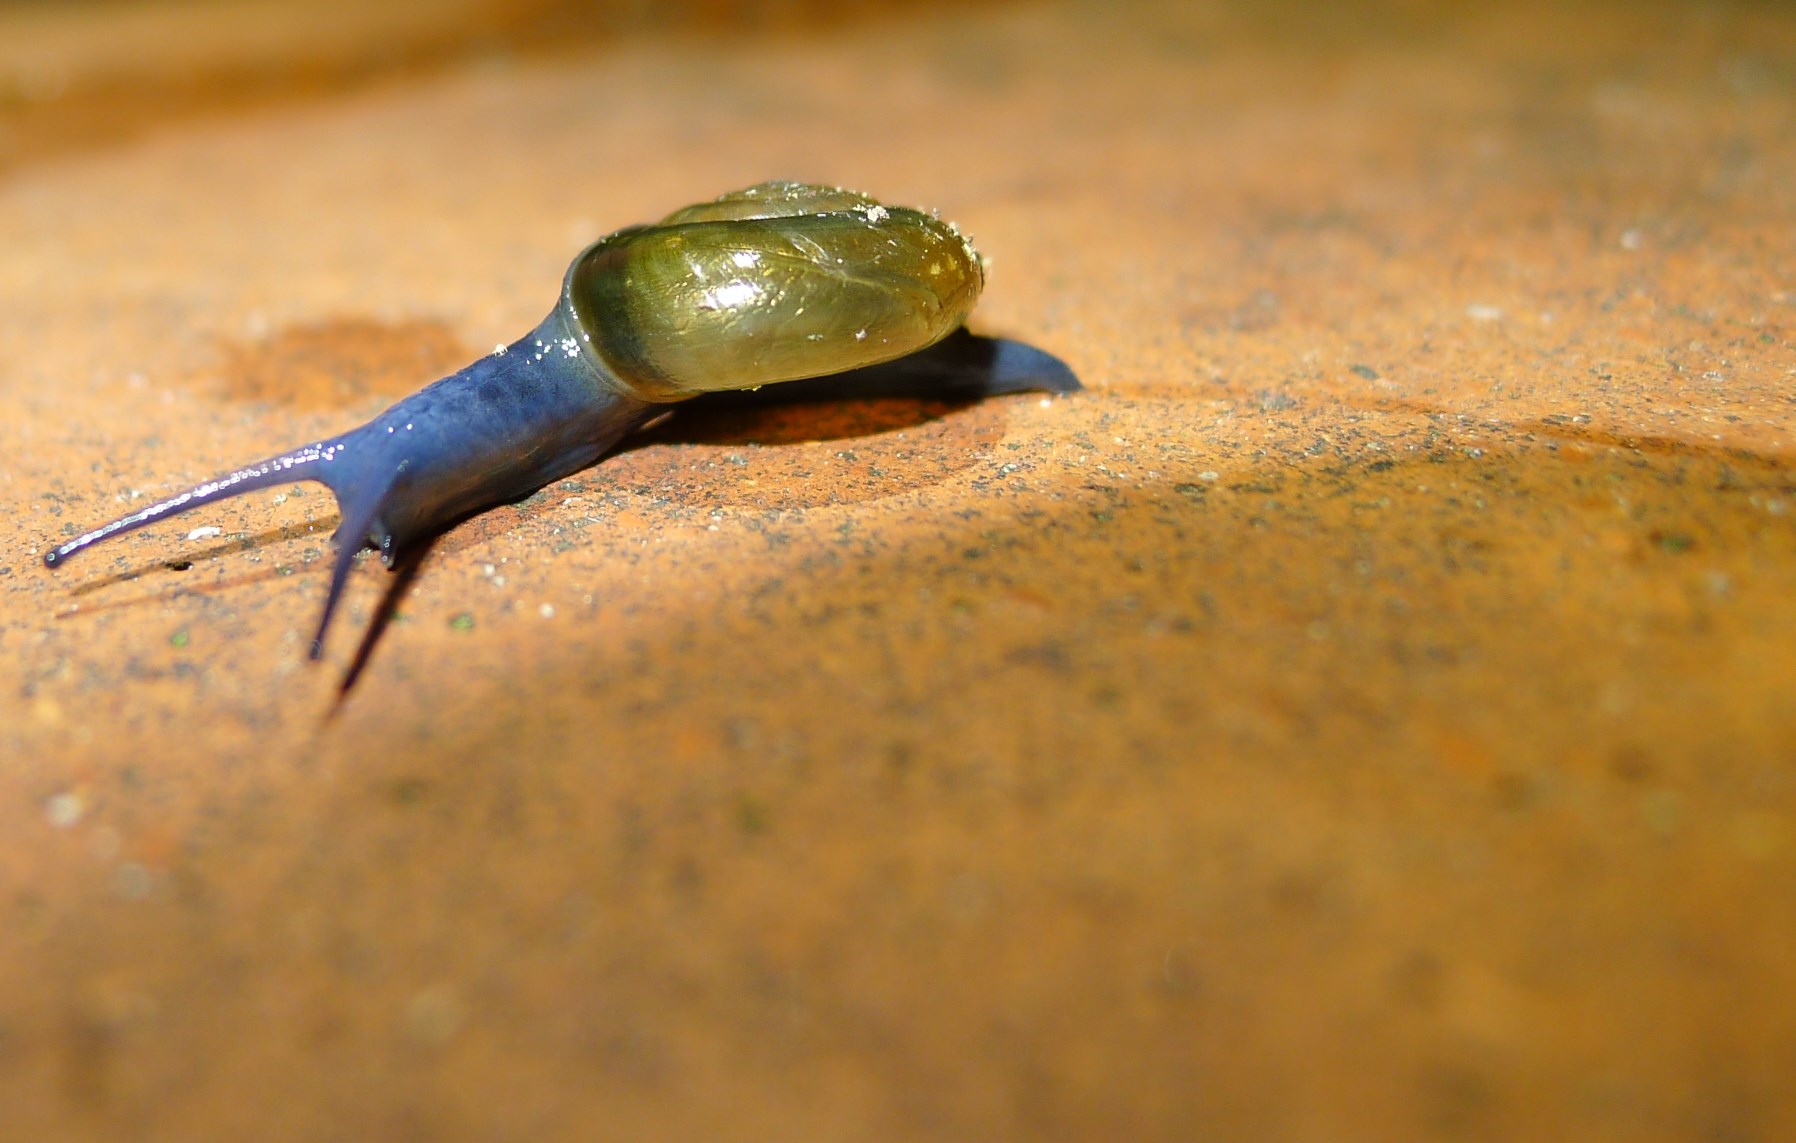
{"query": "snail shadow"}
pixel 405 571
pixel 236 544
pixel 960 370
pixel 956 372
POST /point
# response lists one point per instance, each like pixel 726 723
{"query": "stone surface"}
pixel 1365 713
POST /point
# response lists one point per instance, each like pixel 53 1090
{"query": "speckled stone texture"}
pixel 1365 713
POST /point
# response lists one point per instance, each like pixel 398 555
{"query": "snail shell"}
pixel 775 283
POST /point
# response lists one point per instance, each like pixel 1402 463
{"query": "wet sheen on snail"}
pixel 776 283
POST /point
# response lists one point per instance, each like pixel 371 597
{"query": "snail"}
pixel 777 283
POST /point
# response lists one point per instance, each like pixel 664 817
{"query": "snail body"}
pixel 776 283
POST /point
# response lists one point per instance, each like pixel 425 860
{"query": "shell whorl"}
pixel 778 282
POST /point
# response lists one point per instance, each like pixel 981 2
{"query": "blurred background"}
pixel 1363 713
pixel 91 73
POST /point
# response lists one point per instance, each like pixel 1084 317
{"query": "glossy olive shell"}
pixel 778 282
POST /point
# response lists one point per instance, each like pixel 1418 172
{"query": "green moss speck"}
pixel 752 815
